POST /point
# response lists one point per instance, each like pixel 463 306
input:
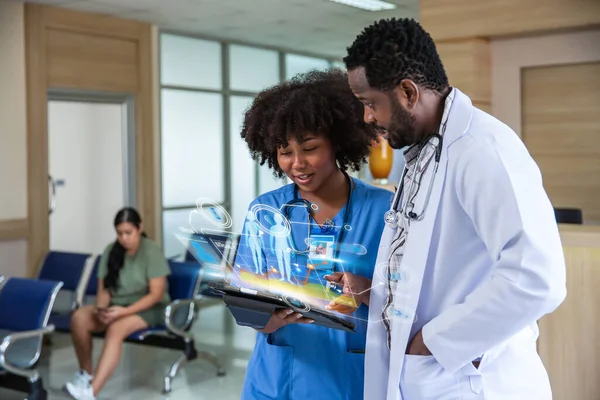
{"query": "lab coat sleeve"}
pixel 500 188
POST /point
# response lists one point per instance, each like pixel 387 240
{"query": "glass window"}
pixel 296 64
pixel 243 176
pixel 252 69
pixel 190 62
pixel 267 181
pixel 339 64
pixel 192 147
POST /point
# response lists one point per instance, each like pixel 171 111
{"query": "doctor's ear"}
pixel 408 93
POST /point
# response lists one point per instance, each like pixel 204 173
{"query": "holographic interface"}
pixel 285 253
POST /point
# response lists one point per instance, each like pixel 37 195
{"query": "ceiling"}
pixel 317 27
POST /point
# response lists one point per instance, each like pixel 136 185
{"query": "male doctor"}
pixel 471 257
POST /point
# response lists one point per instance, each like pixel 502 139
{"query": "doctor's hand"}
pixel 281 318
pixel 356 288
pixel 417 347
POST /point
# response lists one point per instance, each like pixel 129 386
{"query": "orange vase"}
pixel 381 159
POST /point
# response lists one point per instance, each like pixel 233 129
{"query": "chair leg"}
pixel 37 391
pixel 173 371
pixel 47 340
pixel 214 361
pixel 189 354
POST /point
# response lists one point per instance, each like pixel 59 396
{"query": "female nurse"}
pixel 311 130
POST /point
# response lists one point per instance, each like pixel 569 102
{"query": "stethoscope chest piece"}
pixel 390 217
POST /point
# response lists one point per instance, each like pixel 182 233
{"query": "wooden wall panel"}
pixel 561 129
pixel 78 59
pixel 91 52
pixel 568 343
pixel 447 20
pixel 93 24
pixel 468 65
pixel 14 229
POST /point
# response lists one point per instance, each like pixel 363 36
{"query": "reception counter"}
pixel 569 342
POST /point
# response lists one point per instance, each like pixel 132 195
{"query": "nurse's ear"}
pixel 407 93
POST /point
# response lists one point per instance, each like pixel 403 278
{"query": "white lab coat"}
pixel 485 264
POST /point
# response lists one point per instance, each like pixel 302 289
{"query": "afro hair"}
pixel 318 102
pixel 391 50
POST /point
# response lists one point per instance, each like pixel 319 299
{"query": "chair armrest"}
pixel 83 282
pixel 32 374
pixel 78 303
pixel 170 310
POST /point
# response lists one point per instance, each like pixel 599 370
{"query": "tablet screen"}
pixel 213 251
pixel 264 262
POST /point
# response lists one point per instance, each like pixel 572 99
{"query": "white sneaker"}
pixel 82 379
pixel 80 392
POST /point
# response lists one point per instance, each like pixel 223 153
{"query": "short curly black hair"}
pixel 394 49
pixel 319 102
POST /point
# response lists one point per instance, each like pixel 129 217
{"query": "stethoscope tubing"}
pixel 391 217
pixel 298 199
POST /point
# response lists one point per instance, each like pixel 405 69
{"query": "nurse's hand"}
pixel 356 288
pixel 281 318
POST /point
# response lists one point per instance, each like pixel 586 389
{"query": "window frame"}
pixel 226 93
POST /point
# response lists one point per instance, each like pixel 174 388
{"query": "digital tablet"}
pixel 253 308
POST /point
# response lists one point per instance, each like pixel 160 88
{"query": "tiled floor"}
pixel 141 371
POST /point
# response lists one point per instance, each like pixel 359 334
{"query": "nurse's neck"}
pixel 332 193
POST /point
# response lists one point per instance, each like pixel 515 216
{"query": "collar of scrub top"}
pixel 345 227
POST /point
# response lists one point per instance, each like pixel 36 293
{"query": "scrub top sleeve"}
pixel 500 189
pixel 157 264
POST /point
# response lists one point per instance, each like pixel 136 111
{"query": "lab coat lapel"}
pixel 377 354
pixel 418 243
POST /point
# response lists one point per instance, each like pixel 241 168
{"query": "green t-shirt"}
pixel 147 263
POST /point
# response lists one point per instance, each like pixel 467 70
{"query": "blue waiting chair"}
pixel 68 268
pixel 25 306
pixel 568 216
pixel 184 290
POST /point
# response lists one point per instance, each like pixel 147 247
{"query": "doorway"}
pixel 90 168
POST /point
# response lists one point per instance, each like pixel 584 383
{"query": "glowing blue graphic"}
pixel 218 216
pixel 254 244
pixel 202 254
pixel 281 248
pixel 215 214
pixel 263 207
pixel 264 253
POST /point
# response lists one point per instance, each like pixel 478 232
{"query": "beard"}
pixel 402 131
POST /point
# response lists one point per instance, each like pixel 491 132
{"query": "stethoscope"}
pixel 300 202
pixel 391 216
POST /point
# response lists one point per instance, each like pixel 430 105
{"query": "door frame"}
pixel 83 52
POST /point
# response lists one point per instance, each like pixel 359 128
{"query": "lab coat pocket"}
pixel 271 370
pixel 424 378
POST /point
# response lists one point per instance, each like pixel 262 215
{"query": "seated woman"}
pixel 324 226
pixel 132 295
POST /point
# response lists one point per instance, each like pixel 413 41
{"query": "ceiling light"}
pixel 369 5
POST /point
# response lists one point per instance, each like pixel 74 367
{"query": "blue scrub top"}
pixel 304 361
